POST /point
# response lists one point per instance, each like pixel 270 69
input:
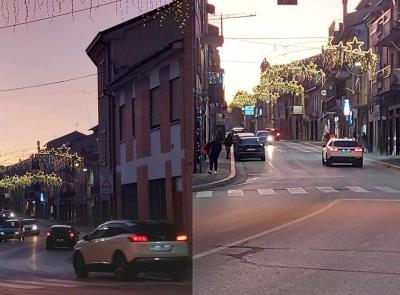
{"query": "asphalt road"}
pixel 292 226
pixel 27 268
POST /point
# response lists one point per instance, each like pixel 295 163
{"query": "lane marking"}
pixel 387 189
pixel 266 191
pixel 296 190
pixel 19 286
pixel 326 189
pixel 358 189
pixel 235 193
pixel 263 233
pixel 204 194
pixel 47 284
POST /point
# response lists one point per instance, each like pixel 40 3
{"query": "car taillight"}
pixel 358 149
pixel 182 237
pixel 49 233
pixel 278 134
pixel 71 234
pixel 332 149
pixel 135 238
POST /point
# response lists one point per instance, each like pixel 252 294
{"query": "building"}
pixel 384 107
pixel 146 116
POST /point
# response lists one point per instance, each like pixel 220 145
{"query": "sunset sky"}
pixel 55 50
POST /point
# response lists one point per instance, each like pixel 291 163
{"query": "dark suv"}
pixel 249 147
pixel 63 236
pixel 11 229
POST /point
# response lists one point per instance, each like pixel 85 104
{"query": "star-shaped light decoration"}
pixel 63 150
pixel 355 45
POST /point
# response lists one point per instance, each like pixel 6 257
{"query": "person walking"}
pixel 364 142
pixel 228 143
pixel 214 149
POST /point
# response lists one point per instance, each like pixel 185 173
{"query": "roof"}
pixel 134 20
pixel 57 142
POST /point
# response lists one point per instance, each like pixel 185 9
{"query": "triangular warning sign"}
pixel 106 183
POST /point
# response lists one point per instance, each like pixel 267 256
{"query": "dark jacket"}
pixel 229 140
pixel 214 149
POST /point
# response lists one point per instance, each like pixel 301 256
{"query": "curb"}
pixel 220 182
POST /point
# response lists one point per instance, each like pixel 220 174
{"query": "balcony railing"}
pixel 386 79
pixel 386 28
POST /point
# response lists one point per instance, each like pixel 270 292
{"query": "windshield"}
pixel 29 222
pixel 10 224
pixel 263 133
pixel 345 143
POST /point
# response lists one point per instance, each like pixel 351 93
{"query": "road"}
pixel 27 268
pixel 292 226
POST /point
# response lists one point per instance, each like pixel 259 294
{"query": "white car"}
pixel 342 150
pixel 265 136
pixel 127 247
pixel 30 227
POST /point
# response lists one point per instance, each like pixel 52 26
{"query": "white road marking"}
pixel 19 286
pixel 326 189
pixel 204 194
pixel 48 284
pixel 387 189
pixel 235 192
pixel 266 191
pixel 263 233
pixel 358 189
pixel 296 191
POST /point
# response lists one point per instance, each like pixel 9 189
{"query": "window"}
pixel 133 117
pixel 129 201
pixel 155 107
pixel 122 122
pixel 157 200
pixel 175 100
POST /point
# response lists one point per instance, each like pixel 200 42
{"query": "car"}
pixel 8 214
pixel 11 229
pixel 275 132
pixel 236 130
pixel 342 150
pixel 237 136
pixel 30 227
pixel 249 147
pixel 127 248
pixel 61 236
pixel 266 136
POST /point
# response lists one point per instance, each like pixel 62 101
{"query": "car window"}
pixel 155 232
pixel 115 229
pixel 263 133
pixel 346 143
pixel 250 141
pixel 98 233
pixel 29 222
pixel 10 224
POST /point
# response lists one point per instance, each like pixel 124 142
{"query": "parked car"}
pixel 61 236
pixel 236 130
pixel 8 214
pixel 266 136
pixel 11 229
pixel 275 132
pixel 31 227
pixel 237 136
pixel 127 247
pixel 342 150
pixel 249 147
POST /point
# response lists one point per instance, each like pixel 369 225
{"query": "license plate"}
pixel 250 150
pixel 60 240
pixel 161 248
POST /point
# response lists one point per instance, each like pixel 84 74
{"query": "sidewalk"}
pixel 226 173
pixel 393 161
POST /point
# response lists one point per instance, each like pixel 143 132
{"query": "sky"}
pixel 54 50
pixel 241 59
pixel 47 51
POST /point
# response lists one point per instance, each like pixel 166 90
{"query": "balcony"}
pixel 385 80
pixel 386 29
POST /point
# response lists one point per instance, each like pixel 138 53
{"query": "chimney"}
pixel 345 2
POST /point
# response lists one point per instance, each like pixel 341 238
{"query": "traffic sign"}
pixel 287 2
pixel 106 183
pixel 323 92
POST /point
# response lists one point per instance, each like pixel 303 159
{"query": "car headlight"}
pixel 12 215
pixel 270 138
pixel 1 233
pixel 17 232
pixel 34 227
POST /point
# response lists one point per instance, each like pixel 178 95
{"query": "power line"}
pixel 273 38
pixel 72 12
pixel 47 84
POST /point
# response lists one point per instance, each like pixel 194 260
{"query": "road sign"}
pixel 287 2
pixel 323 92
pixel 106 183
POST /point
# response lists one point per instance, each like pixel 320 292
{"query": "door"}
pixel 91 248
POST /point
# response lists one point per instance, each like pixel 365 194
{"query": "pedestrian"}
pixel 364 141
pixel 228 143
pixel 214 149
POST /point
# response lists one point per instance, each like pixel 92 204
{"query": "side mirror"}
pixel 323 145
pixel 86 237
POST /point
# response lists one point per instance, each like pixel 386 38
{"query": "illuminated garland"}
pixel 350 55
pixel 241 99
pixel 29 179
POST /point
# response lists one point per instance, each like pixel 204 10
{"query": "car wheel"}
pixel 80 267
pixel 323 160
pixel 178 274
pixel 328 163
pixel 120 267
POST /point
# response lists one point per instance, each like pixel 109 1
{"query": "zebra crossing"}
pixel 57 283
pixel 273 192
